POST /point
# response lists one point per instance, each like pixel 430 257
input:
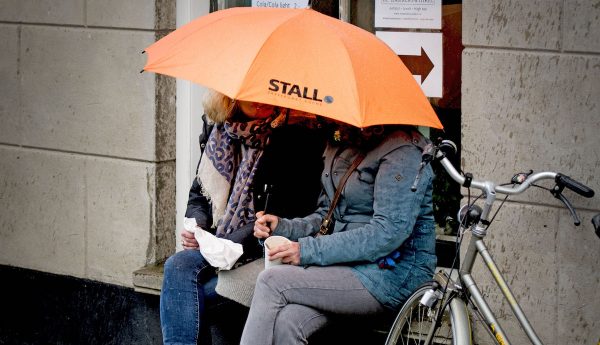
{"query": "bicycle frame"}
pixel 477 246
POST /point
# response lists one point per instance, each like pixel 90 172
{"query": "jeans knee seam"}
pixel 198 271
pixel 322 288
pixel 315 315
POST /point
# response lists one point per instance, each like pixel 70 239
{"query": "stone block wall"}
pixel 531 100
pixel 87 143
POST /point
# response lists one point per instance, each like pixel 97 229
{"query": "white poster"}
pixel 280 3
pixel 421 53
pixel 408 14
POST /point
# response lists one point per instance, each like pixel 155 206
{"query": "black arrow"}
pixel 418 64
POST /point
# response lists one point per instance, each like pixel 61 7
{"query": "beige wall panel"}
pixel 42 211
pixel 531 111
pixel 10 121
pixel 82 91
pixel 43 11
pixel 521 240
pixel 582 26
pixel 531 24
pixel 120 204
pixel 116 13
pixel 578 281
pixel 139 14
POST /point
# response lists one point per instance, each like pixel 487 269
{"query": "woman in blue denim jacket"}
pixel 382 246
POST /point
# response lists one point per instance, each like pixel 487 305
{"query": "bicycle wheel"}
pixel 414 322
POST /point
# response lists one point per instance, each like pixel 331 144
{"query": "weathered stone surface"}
pixel 94 100
pixel 149 279
pixel 80 137
pixel 533 24
pixel 120 207
pixel 42 211
pixel 116 13
pixel 165 15
pixel 9 74
pixel 165 118
pixel 578 253
pixel 164 230
pixel 70 12
pixel 526 111
pixel 582 26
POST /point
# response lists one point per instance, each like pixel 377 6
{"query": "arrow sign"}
pixel 421 53
pixel 418 64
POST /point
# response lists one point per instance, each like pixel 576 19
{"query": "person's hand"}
pixel 188 241
pixel 289 253
pixel 264 224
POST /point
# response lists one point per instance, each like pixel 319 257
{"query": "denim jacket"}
pixel 377 213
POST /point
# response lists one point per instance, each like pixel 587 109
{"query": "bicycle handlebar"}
pixel 560 179
pixel 575 186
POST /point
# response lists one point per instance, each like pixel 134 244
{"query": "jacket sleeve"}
pixel 198 207
pixel 302 227
pixel 395 211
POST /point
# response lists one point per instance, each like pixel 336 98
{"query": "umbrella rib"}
pixel 264 44
pixel 358 118
pixel 182 40
pixel 349 59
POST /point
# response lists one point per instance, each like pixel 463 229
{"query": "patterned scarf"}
pixel 227 170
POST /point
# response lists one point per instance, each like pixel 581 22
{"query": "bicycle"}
pixel 436 313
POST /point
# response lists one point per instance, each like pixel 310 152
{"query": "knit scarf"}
pixel 227 170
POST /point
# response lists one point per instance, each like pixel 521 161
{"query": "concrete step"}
pixel 149 279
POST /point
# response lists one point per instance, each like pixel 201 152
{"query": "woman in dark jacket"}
pixel 253 153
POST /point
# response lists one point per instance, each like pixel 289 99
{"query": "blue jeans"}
pixel 188 292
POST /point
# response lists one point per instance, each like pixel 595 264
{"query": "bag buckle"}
pixel 324 229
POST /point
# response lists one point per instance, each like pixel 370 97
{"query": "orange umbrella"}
pixel 298 59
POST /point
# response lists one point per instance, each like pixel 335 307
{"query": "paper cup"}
pixel 272 243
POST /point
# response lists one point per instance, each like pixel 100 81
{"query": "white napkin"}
pixel 219 252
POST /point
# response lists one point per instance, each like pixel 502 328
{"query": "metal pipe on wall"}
pixel 345 10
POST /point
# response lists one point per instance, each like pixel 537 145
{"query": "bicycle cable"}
pixel 462 225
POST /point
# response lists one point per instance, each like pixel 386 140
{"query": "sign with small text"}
pixel 280 3
pixel 408 14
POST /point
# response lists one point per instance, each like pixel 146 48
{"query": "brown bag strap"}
pixel 325 224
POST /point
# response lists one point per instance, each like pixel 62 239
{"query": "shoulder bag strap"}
pixel 324 229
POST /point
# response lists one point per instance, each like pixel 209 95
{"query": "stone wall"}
pixel 531 100
pixel 87 143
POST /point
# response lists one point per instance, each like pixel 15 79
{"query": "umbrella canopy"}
pixel 298 59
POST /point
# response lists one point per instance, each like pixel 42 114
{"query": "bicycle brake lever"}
pixel 557 194
pixel 596 223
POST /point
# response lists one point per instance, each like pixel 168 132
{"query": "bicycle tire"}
pixel 414 320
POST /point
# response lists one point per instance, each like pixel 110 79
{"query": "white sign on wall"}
pixel 421 52
pixel 280 3
pixel 408 14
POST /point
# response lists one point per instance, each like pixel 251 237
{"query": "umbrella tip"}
pixel 143 52
pixel 142 71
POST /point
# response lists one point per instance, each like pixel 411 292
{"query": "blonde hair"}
pixel 217 106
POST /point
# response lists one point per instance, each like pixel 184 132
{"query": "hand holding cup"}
pixel 279 250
